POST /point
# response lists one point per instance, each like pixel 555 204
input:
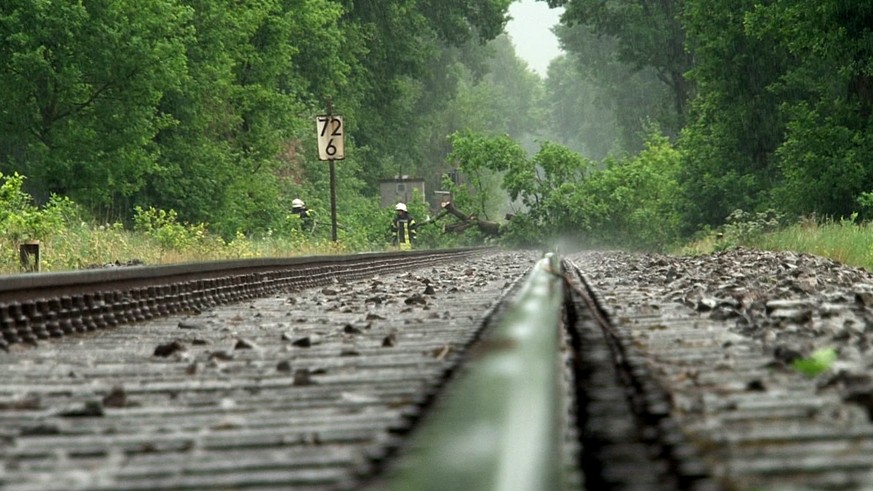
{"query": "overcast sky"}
pixel 530 30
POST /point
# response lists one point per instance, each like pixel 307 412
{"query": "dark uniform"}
pixel 302 215
pixel 403 228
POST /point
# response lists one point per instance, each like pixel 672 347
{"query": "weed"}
pixel 817 363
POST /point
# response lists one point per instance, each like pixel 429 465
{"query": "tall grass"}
pixel 841 240
pixel 70 240
pixel 85 246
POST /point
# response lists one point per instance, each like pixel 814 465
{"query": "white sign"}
pixel 330 137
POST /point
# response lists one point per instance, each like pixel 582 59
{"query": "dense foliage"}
pixel 768 104
pixel 559 195
pixel 207 108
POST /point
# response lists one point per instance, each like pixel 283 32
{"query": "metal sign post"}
pixel 331 147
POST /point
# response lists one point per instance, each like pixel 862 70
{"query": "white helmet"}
pixel 400 207
pixel 297 203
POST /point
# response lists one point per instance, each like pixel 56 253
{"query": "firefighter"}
pixel 301 215
pixel 402 228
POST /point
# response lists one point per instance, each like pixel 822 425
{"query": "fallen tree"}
pixel 466 221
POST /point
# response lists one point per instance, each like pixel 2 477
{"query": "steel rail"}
pixel 633 423
pixel 44 305
pixel 303 390
pixel 500 426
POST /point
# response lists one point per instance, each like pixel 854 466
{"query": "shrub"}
pixel 164 227
pixel 742 228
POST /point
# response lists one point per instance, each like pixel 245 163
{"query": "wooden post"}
pixel 28 254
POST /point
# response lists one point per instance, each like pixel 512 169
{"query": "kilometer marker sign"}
pixel 330 137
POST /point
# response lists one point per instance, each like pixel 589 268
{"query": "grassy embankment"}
pixel 84 246
pixel 843 241
pixel 88 247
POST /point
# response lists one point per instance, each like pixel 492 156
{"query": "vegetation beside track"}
pixel 849 241
pixel 70 240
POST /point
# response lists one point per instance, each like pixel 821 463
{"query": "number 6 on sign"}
pixel 330 137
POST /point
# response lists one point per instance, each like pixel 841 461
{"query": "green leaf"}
pixel 817 363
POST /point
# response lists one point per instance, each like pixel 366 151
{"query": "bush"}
pixel 743 228
pixel 164 227
pixel 21 220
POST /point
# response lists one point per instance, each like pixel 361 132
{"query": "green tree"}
pixel 410 69
pixel 577 115
pixel 827 94
pixel 735 123
pixel 501 100
pixel 560 195
pixel 516 94
pixel 633 95
pixel 627 45
pixel 21 219
pixel 207 108
pixel 81 84
pixel 631 202
pixel 245 112
pixel 482 159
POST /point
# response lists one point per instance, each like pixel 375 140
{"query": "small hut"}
pixel 400 189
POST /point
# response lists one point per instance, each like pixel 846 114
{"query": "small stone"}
pixel 786 354
pixel 88 409
pixel 186 324
pixel 350 329
pixel 302 377
pixel 415 299
pixel 221 355
pixel 243 343
pixel 167 349
pixel 792 315
pixel 756 386
pixel 303 342
pixel 442 352
pixel 117 397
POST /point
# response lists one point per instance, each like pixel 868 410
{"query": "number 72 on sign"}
pixel 330 137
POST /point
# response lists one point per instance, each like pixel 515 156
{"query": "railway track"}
pixel 714 344
pixel 302 388
pixel 460 369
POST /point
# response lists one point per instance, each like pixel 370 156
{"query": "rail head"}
pixel 499 427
